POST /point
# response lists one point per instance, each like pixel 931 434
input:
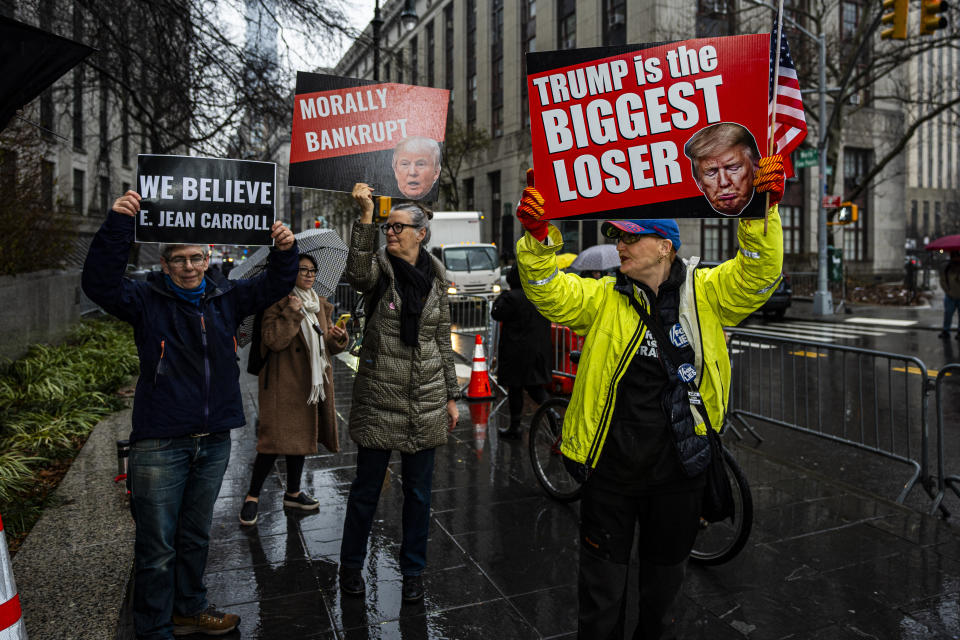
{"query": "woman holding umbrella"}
pixel 295 387
pixel 405 391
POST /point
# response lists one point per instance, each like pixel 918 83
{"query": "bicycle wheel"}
pixel 719 542
pixel 546 431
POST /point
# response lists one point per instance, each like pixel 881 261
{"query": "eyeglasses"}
pixel 624 237
pixel 396 227
pixel 180 262
pixel 307 271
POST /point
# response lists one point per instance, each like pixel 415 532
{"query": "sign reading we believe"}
pixel 205 200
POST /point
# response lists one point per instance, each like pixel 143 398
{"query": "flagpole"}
pixel 773 110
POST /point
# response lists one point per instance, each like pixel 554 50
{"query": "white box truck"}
pixel 473 267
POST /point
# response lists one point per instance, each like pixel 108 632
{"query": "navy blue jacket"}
pixel 189 378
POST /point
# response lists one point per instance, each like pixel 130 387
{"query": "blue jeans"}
pixel 950 305
pixel 173 485
pixel 417 481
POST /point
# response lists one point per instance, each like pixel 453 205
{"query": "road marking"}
pixel 840 329
pixel 932 373
pixel 779 334
pixel 808 354
pixel 882 321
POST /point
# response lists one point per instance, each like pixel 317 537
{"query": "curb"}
pixel 73 567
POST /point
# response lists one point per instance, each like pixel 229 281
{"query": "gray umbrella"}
pixel 327 249
pixel 600 257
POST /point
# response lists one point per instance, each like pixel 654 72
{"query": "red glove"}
pixel 770 178
pixel 530 210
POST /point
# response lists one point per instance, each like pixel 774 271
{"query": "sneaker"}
pixel 303 501
pixel 412 588
pixel 248 513
pixel 513 432
pixel 210 622
pixel 351 581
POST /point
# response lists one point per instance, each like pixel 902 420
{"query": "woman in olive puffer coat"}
pixel 405 390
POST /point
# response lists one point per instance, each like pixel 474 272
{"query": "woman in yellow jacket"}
pixel 637 422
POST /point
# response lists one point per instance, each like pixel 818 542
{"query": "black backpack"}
pixel 256 361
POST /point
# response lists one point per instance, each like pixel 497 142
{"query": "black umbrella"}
pixel 30 61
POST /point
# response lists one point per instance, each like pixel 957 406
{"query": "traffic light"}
pixel 930 21
pixel 383 207
pixel 848 213
pixel 897 19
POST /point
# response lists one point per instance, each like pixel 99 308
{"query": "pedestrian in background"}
pixel 405 391
pixel 295 387
pixel 525 356
pixel 187 400
pixel 950 283
pixel 635 431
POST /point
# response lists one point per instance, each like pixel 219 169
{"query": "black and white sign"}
pixel 205 200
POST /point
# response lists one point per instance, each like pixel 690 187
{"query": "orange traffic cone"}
pixel 479 388
pixel 480 415
pixel 11 622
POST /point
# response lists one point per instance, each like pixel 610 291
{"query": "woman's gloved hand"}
pixel 770 178
pixel 530 210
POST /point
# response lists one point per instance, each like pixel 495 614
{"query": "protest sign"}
pixel 347 130
pixel 651 131
pixel 205 200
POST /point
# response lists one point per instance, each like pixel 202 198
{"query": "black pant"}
pixel 667 526
pixel 264 464
pixel 515 397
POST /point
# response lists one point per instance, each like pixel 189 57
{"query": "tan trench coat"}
pixel 288 425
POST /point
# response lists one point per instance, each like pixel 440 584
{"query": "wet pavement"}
pixel 824 561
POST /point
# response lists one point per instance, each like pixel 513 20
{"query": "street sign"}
pixel 831 202
pixel 807 158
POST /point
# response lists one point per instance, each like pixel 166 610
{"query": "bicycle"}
pixel 717 542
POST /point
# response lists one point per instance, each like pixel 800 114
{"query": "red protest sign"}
pixel 347 130
pixel 671 130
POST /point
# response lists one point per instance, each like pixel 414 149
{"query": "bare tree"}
pixel 460 143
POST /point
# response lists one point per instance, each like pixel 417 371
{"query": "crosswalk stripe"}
pixel 810 332
pixel 840 329
pixel 782 334
pixel 882 321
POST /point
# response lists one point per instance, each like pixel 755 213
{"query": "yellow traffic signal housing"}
pixel 930 21
pixel 383 207
pixel 896 18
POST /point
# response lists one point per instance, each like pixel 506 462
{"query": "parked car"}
pixel 775 308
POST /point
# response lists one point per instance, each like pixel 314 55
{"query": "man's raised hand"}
pixel 282 236
pixel 128 204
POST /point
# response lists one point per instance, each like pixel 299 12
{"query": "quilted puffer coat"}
pixel 400 392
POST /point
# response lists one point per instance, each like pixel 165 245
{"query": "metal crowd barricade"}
pixel 945 480
pixel 799 384
pixel 345 298
pixel 564 341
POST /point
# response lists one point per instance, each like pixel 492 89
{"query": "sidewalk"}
pixel 825 561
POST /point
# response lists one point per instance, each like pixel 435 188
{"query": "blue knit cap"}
pixel 663 227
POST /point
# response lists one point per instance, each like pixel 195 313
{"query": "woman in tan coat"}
pixel 296 387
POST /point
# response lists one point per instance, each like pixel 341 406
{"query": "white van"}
pixel 473 267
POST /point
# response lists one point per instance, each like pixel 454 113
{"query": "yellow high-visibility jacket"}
pixel 710 299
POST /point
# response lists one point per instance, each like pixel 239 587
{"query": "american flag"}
pixel 790 126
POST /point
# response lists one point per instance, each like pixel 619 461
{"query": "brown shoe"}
pixel 210 622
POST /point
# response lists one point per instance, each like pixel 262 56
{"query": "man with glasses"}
pixel 187 400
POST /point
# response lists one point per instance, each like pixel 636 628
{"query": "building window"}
pixel 104 121
pixel 715 18
pixel 386 72
pixel 937 220
pixel 468 194
pixel 926 221
pixel 914 217
pixel 78 141
pixel 528 43
pixel 431 59
pixel 791 217
pixel 104 192
pixel 46 184
pixel 78 178
pixel 718 239
pixel 496 68
pixel 856 163
pixel 448 48
pixel 614 22
pixel 493 181
pixel 566 24
pixel 414 60
pixel 47 114
pixel 471 63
